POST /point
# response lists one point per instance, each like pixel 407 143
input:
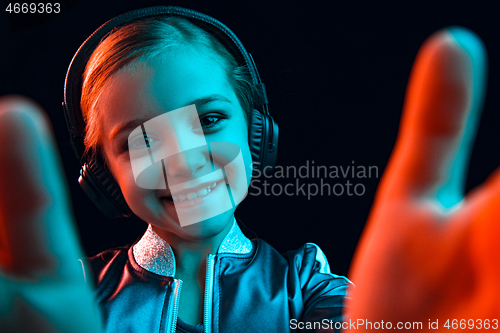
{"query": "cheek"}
pixel 125 180
pixel 242 141
pixel 237 160
pixel 247 160
pixel 133 194
pixel 243 166
pixel 120 168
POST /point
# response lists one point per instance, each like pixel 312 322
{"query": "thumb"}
pixel 36 224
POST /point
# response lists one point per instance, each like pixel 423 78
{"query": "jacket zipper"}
pixel 209 290
pixel 176 285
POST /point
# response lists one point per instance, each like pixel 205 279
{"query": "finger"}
pixel 442 107
pixel 36 229
pixel 483 206
pixel 41 282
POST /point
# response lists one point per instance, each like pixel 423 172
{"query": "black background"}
pixel 335 74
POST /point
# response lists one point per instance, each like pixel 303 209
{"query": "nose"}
pixel 187 154
pixel 186 164
pixel 177 147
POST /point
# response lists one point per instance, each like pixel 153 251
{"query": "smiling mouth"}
pixel 185 195
pixel 195 194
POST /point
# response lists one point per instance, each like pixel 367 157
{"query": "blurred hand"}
pixel 428 251
pixel 42 287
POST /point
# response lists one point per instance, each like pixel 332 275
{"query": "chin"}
pixel 209 227
pixel 197 231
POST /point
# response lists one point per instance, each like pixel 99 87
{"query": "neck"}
pixel 191 254
pixel 155 254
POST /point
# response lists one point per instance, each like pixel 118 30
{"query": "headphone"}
pixel 95 180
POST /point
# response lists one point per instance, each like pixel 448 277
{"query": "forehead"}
pixel 148 88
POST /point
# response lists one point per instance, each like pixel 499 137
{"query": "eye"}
pixel 211 121
pixel 141 142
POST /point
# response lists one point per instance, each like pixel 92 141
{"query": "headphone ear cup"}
pixel 255 136
pixel 263 140
pixel 271 147
pixel 103 190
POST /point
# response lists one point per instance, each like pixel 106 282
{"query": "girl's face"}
pixel 211 113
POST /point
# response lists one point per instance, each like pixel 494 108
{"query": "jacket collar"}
pixel 155 255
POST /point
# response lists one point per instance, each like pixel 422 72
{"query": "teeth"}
pixel 193 195
pixel 202 192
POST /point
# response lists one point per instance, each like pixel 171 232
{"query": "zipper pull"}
pixel 174 301
pixel 209 290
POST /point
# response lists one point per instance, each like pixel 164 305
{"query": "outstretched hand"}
pixel 429 252
pixel 41 280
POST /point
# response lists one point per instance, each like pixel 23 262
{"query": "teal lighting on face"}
pixel 202 179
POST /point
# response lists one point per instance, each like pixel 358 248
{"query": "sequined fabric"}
pixel 235 242
pixel 155 255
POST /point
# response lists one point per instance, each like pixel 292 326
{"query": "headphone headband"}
pixel 73 81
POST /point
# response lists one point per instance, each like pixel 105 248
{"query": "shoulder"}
pixel 112 260
pixel 304 263
pixel 323 293
pixel 319 287
pixel 309 260
pixel 312 289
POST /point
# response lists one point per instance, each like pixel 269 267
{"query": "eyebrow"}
pixel 136 122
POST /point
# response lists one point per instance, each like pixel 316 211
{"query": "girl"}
pixel 429 253
pixel 169 116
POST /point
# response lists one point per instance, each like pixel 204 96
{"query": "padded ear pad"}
pixel 263 140
pixel 103 190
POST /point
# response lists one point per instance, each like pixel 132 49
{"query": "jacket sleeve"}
pixel 322 293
